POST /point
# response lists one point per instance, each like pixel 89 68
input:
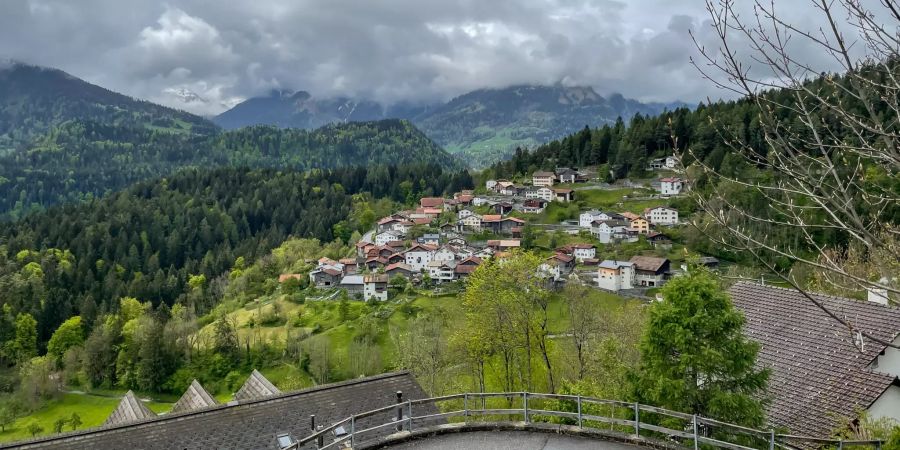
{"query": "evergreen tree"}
pixel 694 356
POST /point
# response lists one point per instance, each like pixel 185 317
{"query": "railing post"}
pixel 696 438
pixel 312 426
pixel 409 415
pixel 466 407
pixel 840 444
pixel 352 430
pixel 525 405
pixel 399 411
pixel 637 418
pixel 772 439
pixel 579 412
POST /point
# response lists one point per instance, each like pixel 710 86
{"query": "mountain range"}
pixel 63 139
pixel 484 125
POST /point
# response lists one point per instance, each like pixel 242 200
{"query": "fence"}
pixel 586 413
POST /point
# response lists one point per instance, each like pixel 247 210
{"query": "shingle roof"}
pixel 252 424
pixel 130 409
pixel 195 397
pixel 256 387
pixel 818 375
pixel 648 263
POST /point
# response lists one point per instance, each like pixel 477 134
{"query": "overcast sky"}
pixel 387 50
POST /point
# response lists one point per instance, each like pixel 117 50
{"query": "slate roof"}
pixel 256 386
pixel 818 375
pixel 611 264
pixel 130 409
pixel 195 397
pixel 252 424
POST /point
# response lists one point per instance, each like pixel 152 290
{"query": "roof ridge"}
pixel 185 414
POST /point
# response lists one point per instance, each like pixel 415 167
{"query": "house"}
pixel 466 267
pixel 400 269
pixel 431 202
pixel 375 287
pixel 500 225
pixel 607 230
pixel 353 284
pixel 463 213
pixel 542 178
pixel 640 225
pixel 546 194
pixel 503 244
pixel 671 186
pixel 419 255
pixel 615 275
pixel 502 208
pixel 472 222
pixel 441 271
pixel 671 162
pixel 709 262
pixel 649 271
pixel 558 266
pixel 566 175
pixel 350 265
pixel 511 190
pixel 490 184
pixel 444 254
pixel 563 195
pixel 395 258
pixel 656 164
pixel 383 238
pixel 534 206
pixel 822 374
pixel 479 201
pixel 430 239
pixel 325 277
pixel 265 419
pixel 659 239
pixel 375 263
pixel 362 248
pixel 464 199
pixel 582 252
pixel 586 218
pixel 662 215
pixel 403 226
pixel 387 223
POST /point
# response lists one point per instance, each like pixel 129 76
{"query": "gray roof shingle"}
pixel 253 424
pixel 130 409
pixel 818 374
pixel 195 397
pixel 256 386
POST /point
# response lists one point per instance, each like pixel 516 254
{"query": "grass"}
pixel 93 410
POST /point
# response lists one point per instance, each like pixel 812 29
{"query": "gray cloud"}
pixel 387 50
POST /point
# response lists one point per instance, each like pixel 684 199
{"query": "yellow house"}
pixel 641 225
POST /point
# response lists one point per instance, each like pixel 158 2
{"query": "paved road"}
pixel 511 440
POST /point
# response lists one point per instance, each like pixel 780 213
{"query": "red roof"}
pixel 562 257
pixel 393 244
pixel 464 269
pixel 470 261
pixel 332 272
pixel 362 244
pixel 425 247
pixel 346 261
pixel 514 219
pixel 465 198
pixel 399 266
pixel 431 202
pixel 491 218
pixel 422 221
pixel 379 260
pixel 387 220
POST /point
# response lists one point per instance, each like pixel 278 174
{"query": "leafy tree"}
pixel 24 345
pixel 7 417
pixel 34 428
pixel 75 420
pixel 59 424
pixel 68 335
pixel 225 340
pixel 694 356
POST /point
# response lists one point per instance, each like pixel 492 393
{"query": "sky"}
pixel 384 50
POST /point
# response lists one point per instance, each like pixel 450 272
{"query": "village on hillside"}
pixel 444 240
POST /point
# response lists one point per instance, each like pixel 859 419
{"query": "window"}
pixel 285 440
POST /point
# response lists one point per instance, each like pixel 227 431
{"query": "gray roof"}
pixel 195 397
pixel 130 409
pixel 818 375
pixel 352 279
pixel 252 424
pixel 256 386
pixel 610 264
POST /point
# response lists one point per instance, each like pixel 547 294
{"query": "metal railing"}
pixel 586 413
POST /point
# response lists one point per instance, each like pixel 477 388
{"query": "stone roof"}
pixel 611 264
pixel 544 174
pixel 818 373
pixel 649 263
pixel 252 424
pixel 129 410
pixel 256 386
pixel 195 397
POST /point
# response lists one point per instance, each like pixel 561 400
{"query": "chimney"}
pixel 876 295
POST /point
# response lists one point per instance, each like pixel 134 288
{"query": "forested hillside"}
pixel 79 160
pixel 35 99
pixel 158 239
